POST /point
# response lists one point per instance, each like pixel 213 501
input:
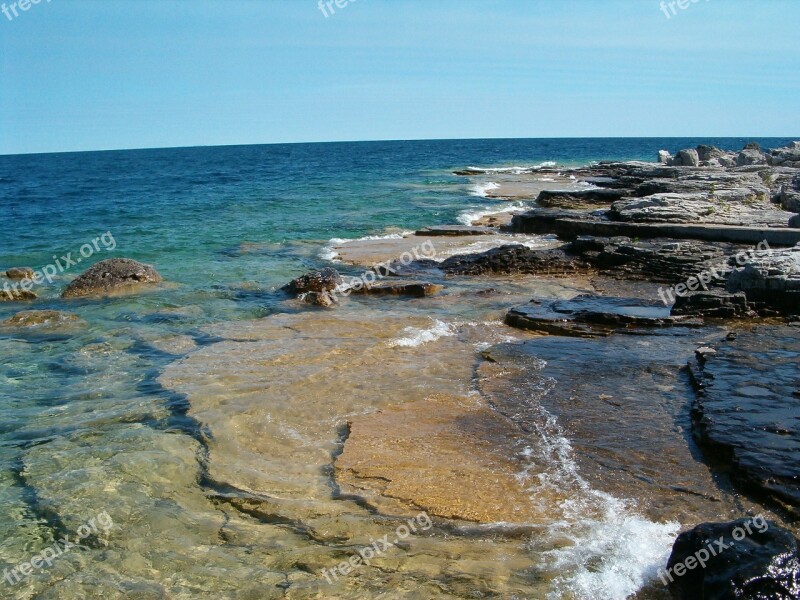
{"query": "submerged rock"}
pixel 15 295
pixel 324 299
pixel 38 318
pixel 747 559
pixel 20 273
pixel 112 276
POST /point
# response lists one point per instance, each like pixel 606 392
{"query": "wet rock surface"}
pixel 455 230
pixel 715 304
pixel 746 412
pixel 579 198
pixel 15 295
pixel 592 316
pixel 112 276
pixel 764 564
pixel 515 259
pixel 415 289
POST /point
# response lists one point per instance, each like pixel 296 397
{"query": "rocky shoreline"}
pixel 706 241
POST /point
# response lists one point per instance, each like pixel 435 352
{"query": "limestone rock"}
pixel 20 273
pixel 324 280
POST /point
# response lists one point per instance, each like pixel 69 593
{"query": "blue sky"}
pixel 100 74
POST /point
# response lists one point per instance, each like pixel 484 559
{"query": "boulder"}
pixel 664 157
pixel 794 222
pixel 687 158
pixel 111 277
pixel 20 273
pixel 756 560
pixel 750 156
pixel 324 280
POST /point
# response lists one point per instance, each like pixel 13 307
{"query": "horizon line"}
pixel 235 145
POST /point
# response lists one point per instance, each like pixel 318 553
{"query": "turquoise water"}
pixel 225 227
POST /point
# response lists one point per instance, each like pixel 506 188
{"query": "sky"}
pixel 106 74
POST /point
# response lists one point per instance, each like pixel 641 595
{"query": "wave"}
pixel 515 170
pixel 469 217
pixel 482 189
pixel 329 252
pixel 416 337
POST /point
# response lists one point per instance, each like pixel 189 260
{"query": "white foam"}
pixel 482 189
pixel 471 216
pixel 603 547
pixel 329 252
pixel 416 337
pixel 515 170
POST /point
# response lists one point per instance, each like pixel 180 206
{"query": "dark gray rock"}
pixel 795 222
pixel 414 289
pixel 512 259
pixel 580 198
pixel 713 304
pixel 763 564
pixel 745 413
pixel 592 316
pixel 788 156
pixel 112 276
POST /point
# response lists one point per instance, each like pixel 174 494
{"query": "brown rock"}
pixel 15 295
pixel 416 289
pixel 112 276
pixel 37 318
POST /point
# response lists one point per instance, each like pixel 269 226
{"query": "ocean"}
pixel 204 416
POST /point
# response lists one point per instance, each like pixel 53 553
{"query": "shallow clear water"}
pixel 220 483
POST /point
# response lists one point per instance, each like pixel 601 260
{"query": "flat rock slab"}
pixel 444 454
pixel 456 230
pixel 592 316
pixel 570 226
pixel 746 412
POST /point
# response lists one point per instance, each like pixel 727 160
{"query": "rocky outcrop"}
pixel 788 156
pixel 747 559
pixel 579 199
pixel 789 195
pixel 771 278
pixel 20 273
pixel 515 259
pixel 111 277
pixel 744 413
pixel 715 304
